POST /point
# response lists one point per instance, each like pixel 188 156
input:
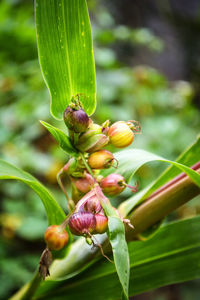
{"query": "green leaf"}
pixel 170 256
pixel 66 53
pixel 54 212
pixel 131 160
pixel 118 242
pixel 61 138
pixel 120 252
pixel 188 158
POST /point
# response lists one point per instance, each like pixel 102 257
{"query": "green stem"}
pixel 86 165
pixel 59 179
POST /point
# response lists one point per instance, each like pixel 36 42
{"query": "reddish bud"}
pixel 113 184
pixel 101 159
pixel 82 223
pixel 85 184
pixel 76 119
pixel 93 205
pixel 101 223
pixel 120 134
pixel 56 237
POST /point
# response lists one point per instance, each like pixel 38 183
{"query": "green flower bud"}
pixel 92 140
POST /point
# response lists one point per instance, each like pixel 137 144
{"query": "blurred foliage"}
pixel 170 122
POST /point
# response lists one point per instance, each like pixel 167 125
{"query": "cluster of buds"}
pixel 90 139
pixel 87 216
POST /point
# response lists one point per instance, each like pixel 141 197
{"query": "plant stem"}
pixel 86 165
pixel 161 204
pixel 59 179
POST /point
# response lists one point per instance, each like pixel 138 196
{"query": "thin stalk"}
pixel 86 165
pixel 59 179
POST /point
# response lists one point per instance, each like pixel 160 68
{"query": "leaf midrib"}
pixel 142 262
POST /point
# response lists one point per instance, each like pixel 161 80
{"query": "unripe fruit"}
pixel 56 237
pixel 82 223
pixel 101 223
pixel 76 119
pixel 84 184
pixel 120 134
pixel 93 205
pixel 101 159
pixel 92 140
pixel 113 184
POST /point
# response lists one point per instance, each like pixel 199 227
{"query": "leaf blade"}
pixel 173 252
pixel 62 139
pixel 54 212
pixel 66 53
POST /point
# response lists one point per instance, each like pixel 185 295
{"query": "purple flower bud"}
pixel 76 119
pixel 82 223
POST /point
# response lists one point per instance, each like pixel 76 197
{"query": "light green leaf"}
pixel 188 158
pixel 66 53
pixel 54 212
pixel 170 256
pixel 61 138
pixel 120 252
pixel 118 242
pixel 131 160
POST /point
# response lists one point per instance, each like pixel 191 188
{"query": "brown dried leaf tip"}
pixel 45 262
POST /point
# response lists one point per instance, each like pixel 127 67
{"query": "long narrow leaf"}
pixel 170 256
pixel 54 212
pixel 65 53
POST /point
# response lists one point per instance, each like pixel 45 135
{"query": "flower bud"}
pixel 84 184
pixel 93 205
pixel 76 119
pixel 113 184
pixel 101 223
pixel 120 134
pixel 56 237
pixel 93 143
pixel 74 168
pixel 82 223
pixel 101 159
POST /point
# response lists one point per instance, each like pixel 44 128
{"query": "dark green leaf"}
pixel 61 138
pixel 170 256
pixel 65 53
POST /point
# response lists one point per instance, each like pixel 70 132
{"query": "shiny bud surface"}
pixel 120 135
pixel 82 223
pixel 101 223
pixel 101 159
pixel 84 184
pixel 76 119
pixel 93 205
pixel 113 184
pixel 56 237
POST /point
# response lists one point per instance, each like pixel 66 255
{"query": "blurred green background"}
pixel 148 69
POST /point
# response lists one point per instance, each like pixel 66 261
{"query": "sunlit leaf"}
pixel 65 53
